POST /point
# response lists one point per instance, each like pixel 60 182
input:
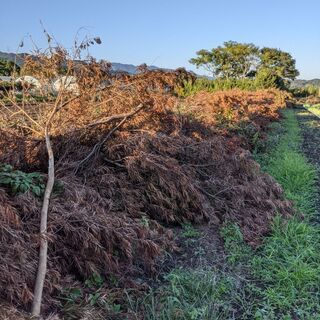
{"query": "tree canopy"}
pixel 232 60
pixel 280 62
pixel 239 60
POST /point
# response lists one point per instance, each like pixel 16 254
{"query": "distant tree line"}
pixel 270 67
pixel 7 68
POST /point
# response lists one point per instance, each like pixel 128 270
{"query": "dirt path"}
pixel 310 127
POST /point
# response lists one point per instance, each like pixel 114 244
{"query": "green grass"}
pixel 282 274
pixel 287 264
pixel 237 251
pixel 278 280
pixel 314 109
pixel 191 295
pixel 288 267
pixel 289 166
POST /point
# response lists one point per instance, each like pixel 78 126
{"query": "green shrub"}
pixel 266 78
pixel 263 80
pixel 7 68
pixel 7 86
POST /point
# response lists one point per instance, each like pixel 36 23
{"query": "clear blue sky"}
pixel 167 33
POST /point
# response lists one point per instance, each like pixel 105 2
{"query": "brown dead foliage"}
pixel 310 100
pixel 160 168
pixel 183 180
pixel 86 236
pixel 234 106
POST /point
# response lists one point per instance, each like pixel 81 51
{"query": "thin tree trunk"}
pixel 42 265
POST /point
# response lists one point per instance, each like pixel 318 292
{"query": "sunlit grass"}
pixel 314 109
pixel 287 264
pixel 290 168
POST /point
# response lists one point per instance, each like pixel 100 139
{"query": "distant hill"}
pixel 18 58
pixel 304 83
pixel 116 66
pixel 130 68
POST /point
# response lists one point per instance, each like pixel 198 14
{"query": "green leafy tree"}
pixel 7 68
pixel 279 62
pixel 232 60
pixel 268 66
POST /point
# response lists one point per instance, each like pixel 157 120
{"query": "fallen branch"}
pixel 115 117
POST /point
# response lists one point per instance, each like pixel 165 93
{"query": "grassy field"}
pixel 279 279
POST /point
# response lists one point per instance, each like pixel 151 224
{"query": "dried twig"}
pixel 115 117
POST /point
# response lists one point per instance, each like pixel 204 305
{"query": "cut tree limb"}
pixel 43 251
pixel 115 117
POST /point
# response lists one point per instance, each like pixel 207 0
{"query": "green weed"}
pixel 94 281
pixel 237 251
pixel 189 231
pixel 21 182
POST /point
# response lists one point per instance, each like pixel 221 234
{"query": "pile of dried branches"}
pixel 130 163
